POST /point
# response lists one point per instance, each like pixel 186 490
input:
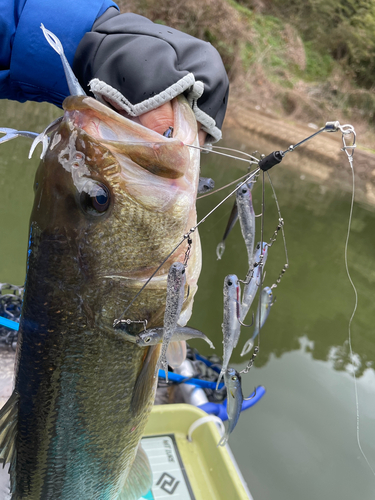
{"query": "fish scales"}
pixel 83 393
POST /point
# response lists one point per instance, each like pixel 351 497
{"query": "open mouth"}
pixel 160 120
pixel 155 141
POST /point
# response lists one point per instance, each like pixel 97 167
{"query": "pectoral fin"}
pixel 176 353
pixel 8 425
pixel 139 479
pixel 145 381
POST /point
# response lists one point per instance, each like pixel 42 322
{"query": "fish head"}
pixel 147 338
pixel 114 198
pixel 176 277
pixel 244 191
pixel 268 295
pixel 232 286
pixel 232 381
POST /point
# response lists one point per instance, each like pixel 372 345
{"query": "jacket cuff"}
pixel 36 72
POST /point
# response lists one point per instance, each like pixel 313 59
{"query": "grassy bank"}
pixel 285 58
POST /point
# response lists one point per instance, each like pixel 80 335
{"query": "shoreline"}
pixel 321 159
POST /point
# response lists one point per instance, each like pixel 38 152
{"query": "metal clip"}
pixel 349 149
pixel 118 322
pixel 187 253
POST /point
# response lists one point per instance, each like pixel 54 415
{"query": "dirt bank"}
pixel 320 159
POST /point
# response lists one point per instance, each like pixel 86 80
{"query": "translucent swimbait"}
pixel 205 184
pixel 175 297
pixel 263 311
pixel 246 217
pixel 232 380
pixel 231 326
pixel 71 79
pixel 253 279
pixel 232 221
pixel 154 336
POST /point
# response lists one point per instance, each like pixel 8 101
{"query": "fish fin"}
pixel 8 425
pixel 204 337
pixel 247 346
pixel 139 479
pixel 176 353
pixel 220 250
pixel 141 393
pixel 218 380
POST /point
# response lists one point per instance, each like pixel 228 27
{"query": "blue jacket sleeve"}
pixel 29 68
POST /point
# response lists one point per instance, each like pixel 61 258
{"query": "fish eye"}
pixel 230 283
pixel 183 271
pixel 96 205
pixel 244 190
pixel 234 377
pixel 147 340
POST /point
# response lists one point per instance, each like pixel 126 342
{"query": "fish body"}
pixel 231 326
pixel 264 308
pixel 232 380
pixel 246 216
pixel 251 287
pixel 112 199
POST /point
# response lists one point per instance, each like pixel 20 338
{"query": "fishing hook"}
pixel 252 396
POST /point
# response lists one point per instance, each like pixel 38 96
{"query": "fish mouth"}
pixel 128 139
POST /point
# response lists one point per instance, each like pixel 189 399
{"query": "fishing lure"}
pixel 232 380
pixel 154 336
pixel 246 217
pixel 253 279
pixel 205 184
pixel 231 326
pixel 232 219
pixel 263 311
pixel 175 297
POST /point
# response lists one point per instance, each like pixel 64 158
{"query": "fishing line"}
pixel 350 158
pixel 209 150
pixel 223 187
pixel 281 226
pixel 186 236
pixel 236 151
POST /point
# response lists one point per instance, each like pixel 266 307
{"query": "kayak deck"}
pixel 183 470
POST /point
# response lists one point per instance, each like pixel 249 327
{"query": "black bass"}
pixel 112 199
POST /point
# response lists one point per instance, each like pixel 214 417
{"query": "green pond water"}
pixel 299 442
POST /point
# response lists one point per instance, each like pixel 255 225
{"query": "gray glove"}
pixel 137 65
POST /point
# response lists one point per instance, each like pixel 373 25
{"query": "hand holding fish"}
pixel 126 61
